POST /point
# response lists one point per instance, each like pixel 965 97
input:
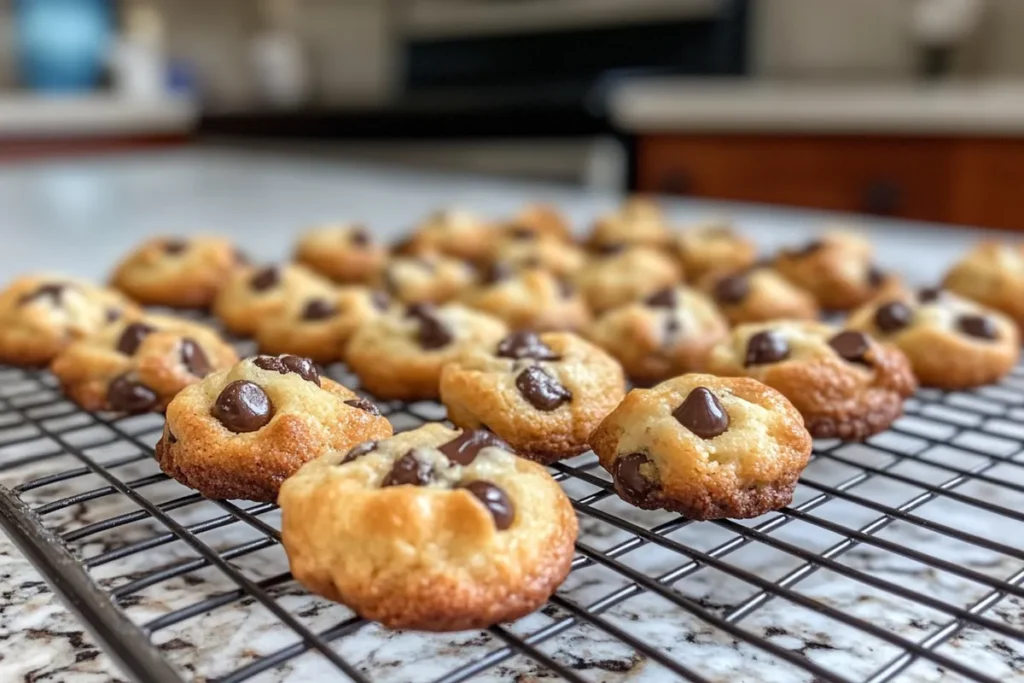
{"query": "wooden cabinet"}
pixel 966 180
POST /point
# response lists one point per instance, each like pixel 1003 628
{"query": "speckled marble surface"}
pixel 79 216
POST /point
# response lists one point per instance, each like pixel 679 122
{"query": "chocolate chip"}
pixel 664 298
pixel 525 345
pixel 703 414
pixel 359 237
pixel 318 309
pixel 243 407
pixel 364 405
pixel 499 271
pixel 303 367
pixel 113 315
pixel 543 391
pixel 892 316
pixel 521 232
pixel 380 299
pixel 977 326
pixel 171 438
pixel 610 249
pixel 265 278
pixel 926 295
pixel 630 477
pixel 128 396
pixel 495 500
pixel 807 249
pixel 732 290
pixel 174 247
pixel 851 346
pixel 875 276
pixel 358 451
pixel 194 359
pixel 54 291
pixel 411 469
pixel 131 338
pixel 766 347
pixel 672 329
pixel 433 332
pixel 464 448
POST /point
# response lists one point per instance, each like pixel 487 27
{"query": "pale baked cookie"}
pixel 529 299
pixel 952 343
pixel 993 275
pixel 706 447
pixel 620 276
pixel 836 269
pixel 400 355
pixel 713 246
pixel 758 294
pixel 540 220
pixel 252 294
pixel 456 232
pixel 343 252
pixel 319 326
pixel 432 529
pixel 427 278
pixel 639 221
pixel 666 334
pixel 42 314
pixel 138 365
pixel 543 394
pixel 180 272
pixel 240 432
pixel 844 383
pixel 529 250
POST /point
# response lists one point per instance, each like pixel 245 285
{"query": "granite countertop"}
pixel 78 216
pixel 30 117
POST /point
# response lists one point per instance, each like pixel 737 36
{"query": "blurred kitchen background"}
pixel 909 108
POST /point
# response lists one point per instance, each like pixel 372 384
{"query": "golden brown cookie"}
pixel 343 252
pixel 993 275
pixel 529 299
pixel 432 530
pixel 758 294
pixel 540 220
pixel 240 432
pixel 456 232
pixel 138 365
pixel 179 272
pixel 400 355
pixel 252 294
pixel 543 394
pixel 706 447
pixel 426 278
pixel 713 246
pixel 666 334
pixel 620 276
pixel 42 314
pixel 529 250
pixel 952 343
pixel 639 221
pixel 844 383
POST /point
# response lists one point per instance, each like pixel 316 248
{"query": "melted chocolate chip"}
pixel 610 249
pixel 131 338
pixel 521 232
pixel 243 407
pixel 54 291
pixel 807 249
pixel 671 331
pixel 358 451
pixel 128 396
pixel 766 347
pixel 630 477
pixel 499 271
pixel 194 358
pixel 543 391
pixel 464 448
pixel 264 279
pixel 433 332
pixel 174 247
pixel 892 316
pixel 113 315
pixel 875 276
pixel 411 470
pixel 303 367
pixel 665 298
pixel 495 500
pixel 851 346
pixel 732 290
pixel 318 309
pixel 359 237
pixel 926 295
pixel 380 299
pixel 525 345
pixel 364 405
pixel 703 414
pixel 977 326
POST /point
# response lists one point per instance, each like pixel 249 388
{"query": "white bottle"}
pixel 137 60
pixel 278 60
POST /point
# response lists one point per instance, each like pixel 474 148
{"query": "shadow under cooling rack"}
pixel 900 559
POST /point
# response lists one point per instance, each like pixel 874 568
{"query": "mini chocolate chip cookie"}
pixel 343 252
pixel 455 232
pixel 253 293
pixel 240 432
pixel 527 249
pixel 621 276
pixel 993 275
pixel 530 299
pixel 638 221
pixel 426 278
pixel 179 272
pixel 758 294
pixel 713 246
pixel 844 383
pixel 432 529
pixel 539 220
pixel 40 315
pixel 666 334
pixel 543 394
pixel 952 343
pixel 706 447
pixel 138 365
pixel 320 325
pixel 400 355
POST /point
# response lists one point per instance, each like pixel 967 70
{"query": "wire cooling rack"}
pixel 899 559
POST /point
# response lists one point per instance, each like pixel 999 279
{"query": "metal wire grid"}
pixel 30 403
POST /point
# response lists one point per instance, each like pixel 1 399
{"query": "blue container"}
pixel 62 44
